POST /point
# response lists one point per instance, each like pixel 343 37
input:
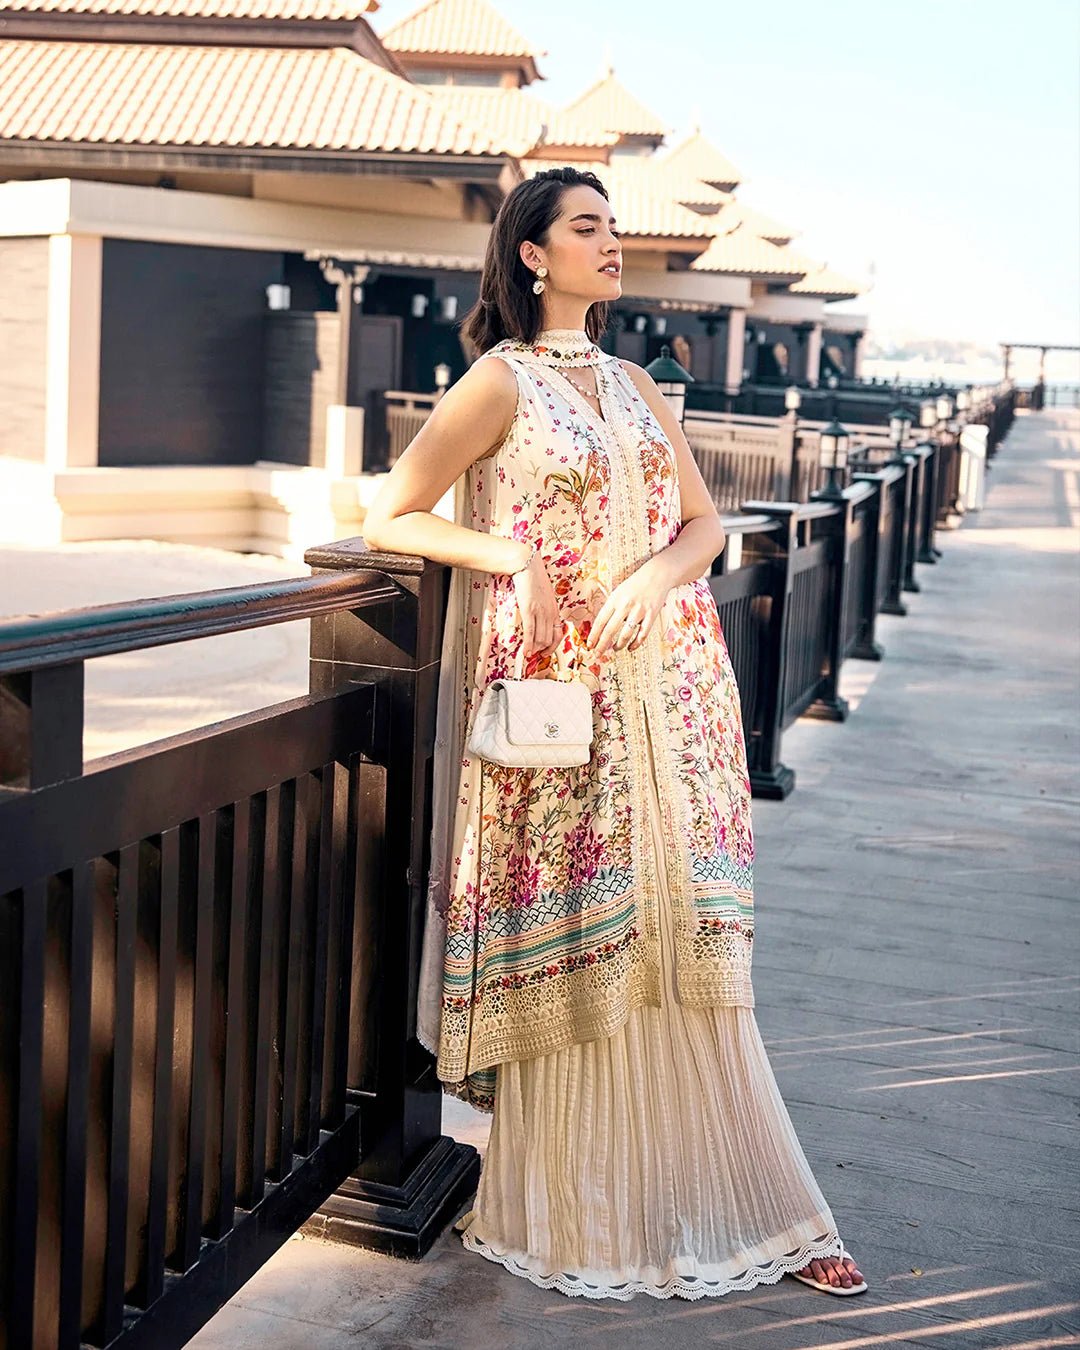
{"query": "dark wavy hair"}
pixel 507 307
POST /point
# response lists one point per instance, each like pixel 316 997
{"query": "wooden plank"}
pixel 119 1180
pixel 28 1122
pixel 164 1025
pixel 236 1015
pixel 292 974
pixel 325 900
pixel 69 1325
pixel 140 792
pixel 191 1217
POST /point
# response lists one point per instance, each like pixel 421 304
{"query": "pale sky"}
pixel 933 144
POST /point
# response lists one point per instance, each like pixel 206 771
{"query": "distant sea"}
pixel 1062 371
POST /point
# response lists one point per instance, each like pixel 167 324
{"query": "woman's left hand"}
pixel 626 617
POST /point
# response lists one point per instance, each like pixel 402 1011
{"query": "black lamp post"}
pixel 944 409
pixel 833 458
pixel 832 383
pixel 900 420
pixel 671 379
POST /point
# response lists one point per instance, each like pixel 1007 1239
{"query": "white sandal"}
pixel 832 1288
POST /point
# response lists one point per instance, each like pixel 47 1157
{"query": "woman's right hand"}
pixel 538 606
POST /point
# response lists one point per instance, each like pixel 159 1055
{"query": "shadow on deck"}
pixel 916 973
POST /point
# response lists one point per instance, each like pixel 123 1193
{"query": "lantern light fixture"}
pixel 900 420
pixel 792 398
pixel 832 456
pixel 927 416
pixel 442 377
pixel 278 296
pixel 419 305
pixel 944 408
pixel 671 379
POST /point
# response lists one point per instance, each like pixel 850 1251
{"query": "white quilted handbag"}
pixel 525 723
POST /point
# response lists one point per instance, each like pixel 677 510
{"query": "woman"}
pixel 586 965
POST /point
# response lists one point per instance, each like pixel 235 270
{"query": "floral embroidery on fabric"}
pixel 551 932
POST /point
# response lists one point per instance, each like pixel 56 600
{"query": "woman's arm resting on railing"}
pixel 471 419
pixel 702 537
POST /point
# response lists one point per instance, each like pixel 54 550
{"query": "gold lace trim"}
pixel 586 1005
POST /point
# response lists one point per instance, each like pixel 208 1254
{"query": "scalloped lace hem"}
pixel 679 1286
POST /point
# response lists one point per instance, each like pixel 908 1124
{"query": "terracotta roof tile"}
pixel 689 190
pixel 640 197
pixel 611 106
pixel 201 9
pixel 298 98
pixel 737 213
pixel 458 28
pixel 743 253
pixel 823 281
pixel 518 122
pixel 697 157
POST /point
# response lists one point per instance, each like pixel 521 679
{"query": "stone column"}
pixel 73 358
pixel 347 277
pixel 344 449
pixel 808 366
pixel 857 355
pixel 736 350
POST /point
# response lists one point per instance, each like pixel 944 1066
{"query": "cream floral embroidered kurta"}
pixel 548 924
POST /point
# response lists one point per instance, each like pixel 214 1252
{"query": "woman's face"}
pixel 582 253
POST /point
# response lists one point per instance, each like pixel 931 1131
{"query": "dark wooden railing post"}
pixel 931 469
pixel 41 727
pixel 768 776
pixel 411 1179
pixel 875 511
pixel 948 484
pixel 828 705
pixel 913 459
pixel 791 437
pixel 896 509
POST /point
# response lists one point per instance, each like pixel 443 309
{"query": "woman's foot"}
pixel 838 1272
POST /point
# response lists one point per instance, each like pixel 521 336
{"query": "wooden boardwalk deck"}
pixel 917 976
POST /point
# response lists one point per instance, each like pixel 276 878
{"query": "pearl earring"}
pixel 538 284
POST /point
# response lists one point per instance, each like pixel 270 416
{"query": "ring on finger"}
pixel 632 624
